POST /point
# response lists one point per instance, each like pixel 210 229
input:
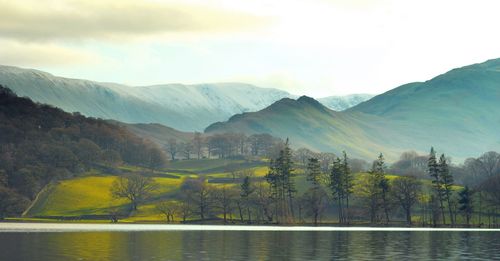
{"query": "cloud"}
pixel 32 54
pixel 79 19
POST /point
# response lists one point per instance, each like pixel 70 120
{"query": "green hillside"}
pixel 456 112
pixel 309 124
pixel 89 196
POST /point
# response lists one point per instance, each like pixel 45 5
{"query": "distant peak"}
pixel 301 102
pixel 310 101
pixel 305 98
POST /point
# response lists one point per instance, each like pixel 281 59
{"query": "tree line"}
pixel 223 146
pixel 374 197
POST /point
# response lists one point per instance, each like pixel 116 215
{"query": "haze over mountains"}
pixel 184 107
pixel 457 112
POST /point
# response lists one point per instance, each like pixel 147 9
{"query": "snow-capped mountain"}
pixel 184 107
pixel 340 103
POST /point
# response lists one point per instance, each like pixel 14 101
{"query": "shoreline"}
pixel 26 227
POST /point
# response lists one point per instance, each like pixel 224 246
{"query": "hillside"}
pixel 456 112
pixel 40 144
pixel 311 125
pixel 184 107
pixel 156 133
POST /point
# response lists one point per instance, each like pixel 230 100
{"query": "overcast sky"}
pixel 312 47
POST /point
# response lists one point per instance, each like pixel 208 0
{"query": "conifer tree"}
pixel 433 170
pixel 446 180
pixel 347 182
pixel 246 192
pixel 376 190
pixel 337 186
pixel 466 204
pixel 280 179
pixel 315 194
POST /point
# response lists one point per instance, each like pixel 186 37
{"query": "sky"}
pixel 306 47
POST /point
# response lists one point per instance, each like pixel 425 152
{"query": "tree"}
pixel 111 157
pixel 172 147
pixel 347 182
pixel 434 172
pixel 11 203
pixel 446 181
pixel 225 199
pixel 406 191
pixel 337 187
pixel 88 152
pixel 302 155
pixel 186 148
pixel 186 208
pixel 198 144
pixel 280 178
pixel 169 209
pixel 200 193
pixel 383 183
pixel 264 201
pixel 376 190
pixel 315 194
pixel 134 187
pixel 156 158
pixel 490 163
pixel 491 193
pixel 466 204
pixel 247 190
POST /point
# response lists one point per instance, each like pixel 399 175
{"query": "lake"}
pixel 173 242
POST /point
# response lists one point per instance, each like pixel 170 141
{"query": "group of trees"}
pixel 223 145
pixel 379 198
pixel 40 144
pixel 471 172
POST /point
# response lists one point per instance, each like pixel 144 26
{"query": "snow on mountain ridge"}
pixel 184 107
pixel 340 103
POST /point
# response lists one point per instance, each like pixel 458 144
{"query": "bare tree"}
pixel 225 200
pixel 186 149
pixel 134 187
pixel 406 191
pixel 156 158
pixel 172 147
pixel 186 208
pixel 200 193
pixel 169 209
pixel 198 144
pixel 302 155
pixel 490 163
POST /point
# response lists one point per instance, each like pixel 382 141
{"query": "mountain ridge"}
pixel 183 107
pixel 457 112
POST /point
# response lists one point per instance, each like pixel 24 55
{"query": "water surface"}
pixel 272 244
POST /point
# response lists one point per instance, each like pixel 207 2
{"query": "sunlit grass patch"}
pixel 80 196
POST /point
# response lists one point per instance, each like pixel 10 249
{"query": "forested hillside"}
pixel 40 143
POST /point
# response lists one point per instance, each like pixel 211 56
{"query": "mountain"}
pixel 310 124
pixel 340 103
pixel 457 112
pixel 184 107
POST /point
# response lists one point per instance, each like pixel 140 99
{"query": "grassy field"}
pixel 89 197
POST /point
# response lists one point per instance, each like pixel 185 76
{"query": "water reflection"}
pixel 248 245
